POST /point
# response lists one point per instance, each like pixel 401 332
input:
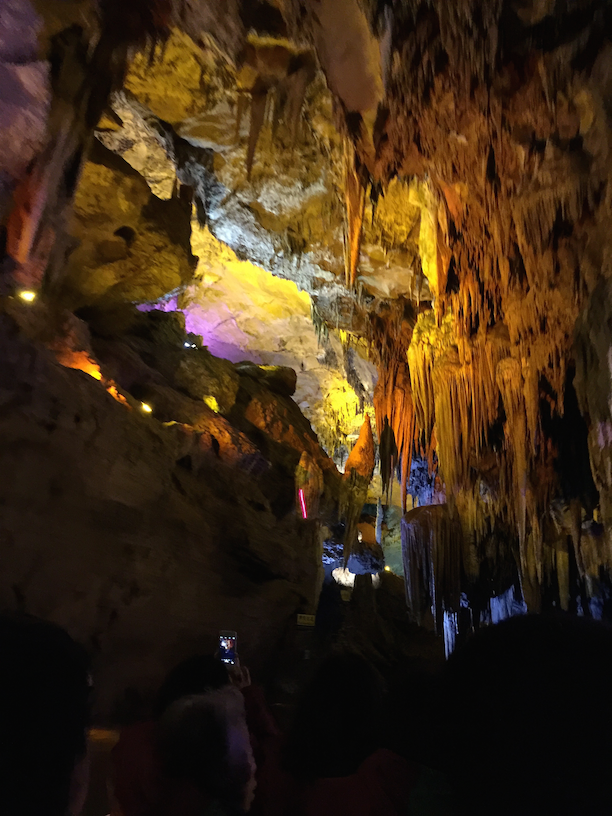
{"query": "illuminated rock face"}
pixel 444 203
pixel 511 243
pixel 239 309
pixel 244 313
pixel 130 245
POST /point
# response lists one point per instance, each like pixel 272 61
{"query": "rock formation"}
pixel 433 177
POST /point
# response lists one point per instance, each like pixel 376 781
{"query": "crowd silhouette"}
pixel 517 722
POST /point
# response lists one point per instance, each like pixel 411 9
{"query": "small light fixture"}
pixel 28 295
pixel 146 408
pixel 387 568
pixel 187 345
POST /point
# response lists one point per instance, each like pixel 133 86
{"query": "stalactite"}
pixel 273 74
pixel 428 343
pixel 387 451
pixel 320 326
pixel 354 193
pixel 84 76
pixel 510 382
pixel 393 405
pixel 478 516
pixel 454 386
pixel 259 98
pixel 536 210
pixel 297 83
pixel 458 379
pixel 512 194
pixel 279 102
pixel 241 106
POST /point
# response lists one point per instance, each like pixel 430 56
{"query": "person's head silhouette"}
pixel 44 709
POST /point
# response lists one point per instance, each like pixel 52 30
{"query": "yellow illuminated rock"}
pixel 245 313
pixel 170 86
pixel 423 196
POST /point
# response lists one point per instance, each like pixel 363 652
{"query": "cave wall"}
pixel 143 534
pixel 26 96
pixel 447 200
pixel 137 537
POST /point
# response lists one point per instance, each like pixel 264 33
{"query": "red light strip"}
pixel 302 503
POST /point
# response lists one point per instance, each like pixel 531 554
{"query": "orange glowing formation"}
pixel 83 362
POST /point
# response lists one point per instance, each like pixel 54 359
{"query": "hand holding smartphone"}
pixel 228 642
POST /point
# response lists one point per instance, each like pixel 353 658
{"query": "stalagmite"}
pixel 309 485
pixel 388 455
pixel 380 516
pixel 358 472
pixel 431 551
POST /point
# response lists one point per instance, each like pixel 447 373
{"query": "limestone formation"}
pixel 129 245
pixel 431 179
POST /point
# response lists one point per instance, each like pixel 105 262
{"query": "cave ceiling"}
pixel 434 175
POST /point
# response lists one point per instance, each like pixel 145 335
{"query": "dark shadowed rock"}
pixel 281 379
pixel 208 378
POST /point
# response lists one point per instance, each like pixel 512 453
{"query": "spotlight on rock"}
pixel 27 295
pixel 146 408
pixel 212 403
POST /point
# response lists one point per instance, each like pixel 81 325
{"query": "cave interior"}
pixel 304 308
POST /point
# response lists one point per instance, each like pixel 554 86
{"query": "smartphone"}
pixel 227 647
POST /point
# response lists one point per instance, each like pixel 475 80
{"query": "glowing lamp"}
pixel 28 295
pixel 302 503
pixel 387 569
pixel 146 408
